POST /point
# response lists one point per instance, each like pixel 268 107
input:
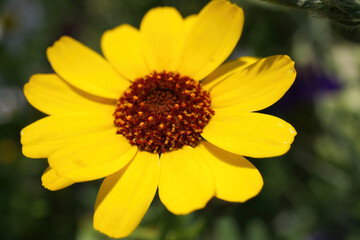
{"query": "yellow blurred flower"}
pixel 159 113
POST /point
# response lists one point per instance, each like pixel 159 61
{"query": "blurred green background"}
pixel 312 192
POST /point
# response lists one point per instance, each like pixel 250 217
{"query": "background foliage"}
pixel 312 192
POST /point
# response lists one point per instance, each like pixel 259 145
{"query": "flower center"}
pixel 163 112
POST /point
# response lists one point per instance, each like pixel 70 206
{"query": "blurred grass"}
pixel 312 192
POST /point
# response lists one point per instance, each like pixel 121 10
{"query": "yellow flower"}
pixel 159 113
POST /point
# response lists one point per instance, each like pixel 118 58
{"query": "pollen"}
pixel 163 112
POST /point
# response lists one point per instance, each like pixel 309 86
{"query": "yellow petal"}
pixel 226 70
pixel 122 47
pixel 49 134
pixel 213 37
pixel 93 156
pixel 186 181
pixel 249 134
pixel 52 95
pixel 189 23
pixel 236 179
pixel 125 196
pixel 52 181
pixel 162 31
pixel 85 69
pixel 256 87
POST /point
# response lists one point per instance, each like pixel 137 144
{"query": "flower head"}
pixel 159 113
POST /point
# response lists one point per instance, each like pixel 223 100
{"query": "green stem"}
pixel 346 12
pixel 287 3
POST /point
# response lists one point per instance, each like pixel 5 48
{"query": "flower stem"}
pixel 346 12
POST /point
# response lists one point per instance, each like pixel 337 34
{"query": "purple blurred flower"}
pixel 310 84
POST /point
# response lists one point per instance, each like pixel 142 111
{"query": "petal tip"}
pixel 257 189
pixel 98 227
pixel 27 152
pixel 46 186
pixel 24 152
pixel 187 211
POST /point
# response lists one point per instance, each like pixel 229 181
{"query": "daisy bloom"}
pixel 158 113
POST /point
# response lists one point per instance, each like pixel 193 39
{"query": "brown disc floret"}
pixel 162 112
